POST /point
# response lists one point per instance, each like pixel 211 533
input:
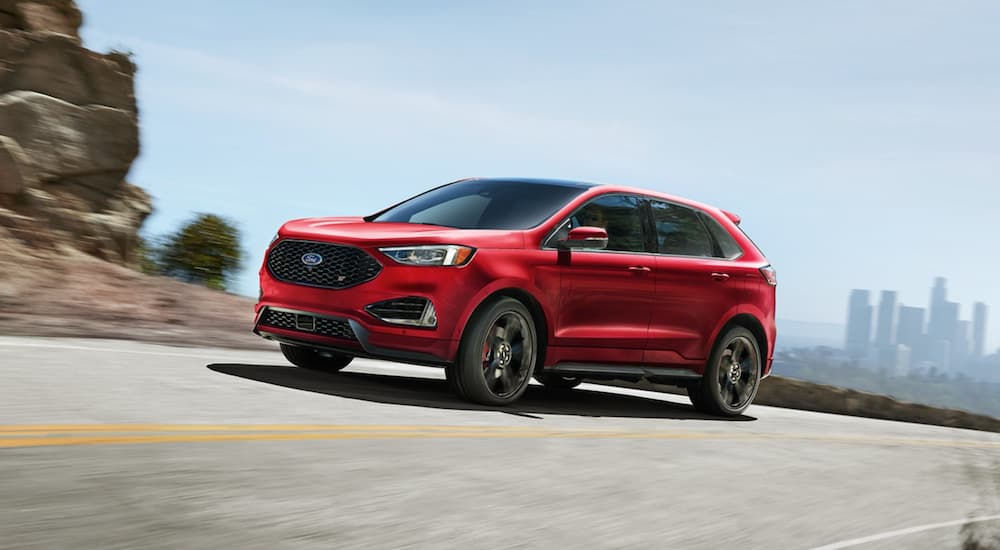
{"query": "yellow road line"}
pixel 91 428
pixel 101 434
pixel 304 436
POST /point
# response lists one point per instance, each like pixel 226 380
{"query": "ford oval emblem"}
pixel 312 258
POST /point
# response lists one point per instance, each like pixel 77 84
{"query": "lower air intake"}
pixel 307 324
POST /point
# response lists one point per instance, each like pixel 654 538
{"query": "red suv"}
pixel 502 280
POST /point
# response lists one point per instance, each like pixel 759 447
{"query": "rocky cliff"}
pixel 68 136
pixel 69 220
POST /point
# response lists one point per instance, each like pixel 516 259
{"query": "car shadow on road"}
pixel 434 393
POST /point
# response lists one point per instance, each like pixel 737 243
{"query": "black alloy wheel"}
pixel 732 375
pixel 497 354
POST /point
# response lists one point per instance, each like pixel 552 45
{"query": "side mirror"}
pixel 588 238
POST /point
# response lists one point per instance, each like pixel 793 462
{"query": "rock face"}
pixel 68 136
pixel 59 16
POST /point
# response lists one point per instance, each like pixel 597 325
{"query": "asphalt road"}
pixel 108 444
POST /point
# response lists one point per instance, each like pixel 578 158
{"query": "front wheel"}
pixel 497 354
pixel 731 377
pixel 314 359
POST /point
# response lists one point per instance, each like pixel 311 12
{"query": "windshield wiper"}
pixel 437 225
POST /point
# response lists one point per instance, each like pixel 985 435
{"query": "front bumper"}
pixel 449 289
pixel 359 342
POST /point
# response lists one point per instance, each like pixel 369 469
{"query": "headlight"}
pixel 274 238
pixel 446 255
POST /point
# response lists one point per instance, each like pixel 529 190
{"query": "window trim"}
pixel 648 227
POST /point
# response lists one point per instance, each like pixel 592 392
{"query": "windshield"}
pixel 484 204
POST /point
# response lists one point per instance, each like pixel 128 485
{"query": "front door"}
pixel 607 294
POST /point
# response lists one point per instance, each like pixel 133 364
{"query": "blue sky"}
pixel 859 140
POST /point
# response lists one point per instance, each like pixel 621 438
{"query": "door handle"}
pixel 639 269
pixel 720 276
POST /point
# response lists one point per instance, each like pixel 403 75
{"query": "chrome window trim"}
pixel 555 229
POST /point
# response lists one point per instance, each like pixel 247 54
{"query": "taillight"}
pixel 770 275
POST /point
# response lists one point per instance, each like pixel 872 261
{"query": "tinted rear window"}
pixel 729 247
pixel 484 204
pixel 679 231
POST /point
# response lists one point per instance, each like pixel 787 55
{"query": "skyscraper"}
pixel 903 360
pixel 948 321
pixel 946 331
pixel 960 346
pixel 978 330
pixel 886 318
pixel 910 331
pixel 939 292
pixel 939 296
pixel 859 324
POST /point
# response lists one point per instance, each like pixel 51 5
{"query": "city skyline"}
pixel 895 336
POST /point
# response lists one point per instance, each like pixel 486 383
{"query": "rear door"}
pixel 697 283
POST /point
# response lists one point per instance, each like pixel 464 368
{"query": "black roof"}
pixel 539 181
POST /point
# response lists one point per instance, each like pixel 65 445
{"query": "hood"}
pixel 356 231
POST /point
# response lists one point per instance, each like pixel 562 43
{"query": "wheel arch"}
pixel 530 302
pixel 755 327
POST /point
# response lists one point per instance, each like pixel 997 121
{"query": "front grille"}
pixel 310 324
pixel 402 309
pixel 339 266
pixel 279 319
pixel 334 328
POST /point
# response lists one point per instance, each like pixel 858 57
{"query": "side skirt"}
pixel 628 373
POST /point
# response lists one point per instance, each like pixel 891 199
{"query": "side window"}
pixel 619 215
pixel 728 246
pixel 679 231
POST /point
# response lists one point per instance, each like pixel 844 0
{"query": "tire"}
pixel 451 377
pixel 558 382
pixel 728 387
pixel 694 394
pixel 314 359
pixel 497 354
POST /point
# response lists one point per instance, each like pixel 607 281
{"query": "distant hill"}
pixel 795 334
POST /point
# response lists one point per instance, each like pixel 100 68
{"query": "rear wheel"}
pixel 497 354
pixel 558 382
pixel 314 359
pixel 732 375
